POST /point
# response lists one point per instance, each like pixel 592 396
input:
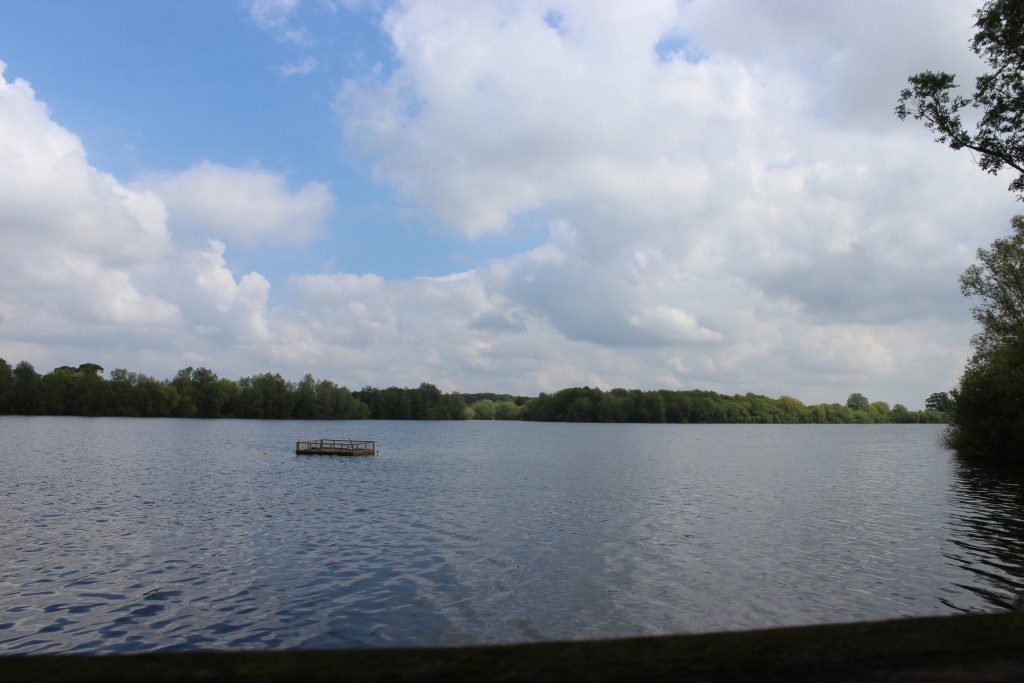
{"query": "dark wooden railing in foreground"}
pixel 978 647
pixel 335 447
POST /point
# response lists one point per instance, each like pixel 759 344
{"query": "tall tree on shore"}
pixel 987 414
pixel 857 401
pixel 28 390
pixel 987 417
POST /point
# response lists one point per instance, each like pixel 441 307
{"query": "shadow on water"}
pixel 987 519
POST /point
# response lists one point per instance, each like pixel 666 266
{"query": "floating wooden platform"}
pixel 335 447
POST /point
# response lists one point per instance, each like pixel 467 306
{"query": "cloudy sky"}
pixel 509 196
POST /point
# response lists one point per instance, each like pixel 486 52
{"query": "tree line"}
pixel 199 392
pixel 700 406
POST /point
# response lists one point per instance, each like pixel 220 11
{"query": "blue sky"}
pixel 490 196
pixel 154 86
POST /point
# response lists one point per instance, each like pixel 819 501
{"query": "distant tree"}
pixel 135 395
pixel 654 407
pixel 538 408
pixel 58 389
pixel 483 410
pixel 131 394
pixel 857 401
pixel 397 404
pixel 274 395
pixel 28 390
pixel 371 398
pixel 614 406
pixel 122 393
pixel 342 404
pixel 308 404
pixel 998 98
pixel 6 388
pixel 506 410
pixel 940 401
pixel 230 395
pixel 92 391
pixel 428 403
pixel 185 403
pixel 209 392
pixel 579 404
pixel 706 408
pixel 880 411
pixel 791 409
pixel 760 409
pixel 900 414
pixel 90 369
pixel 454 407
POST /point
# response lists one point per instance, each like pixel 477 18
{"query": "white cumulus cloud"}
pixel 730 204
pixel 721 191
pixel 72 235
pixel 247 205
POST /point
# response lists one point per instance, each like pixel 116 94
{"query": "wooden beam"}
pixel 988 647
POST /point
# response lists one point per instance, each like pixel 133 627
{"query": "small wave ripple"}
pixel 481 533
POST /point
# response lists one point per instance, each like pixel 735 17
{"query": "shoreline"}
pixel 988 647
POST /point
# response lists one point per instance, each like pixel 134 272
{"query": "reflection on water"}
pixel 128 535
pixel 988 531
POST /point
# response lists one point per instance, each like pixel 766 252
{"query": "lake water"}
pixel 124 535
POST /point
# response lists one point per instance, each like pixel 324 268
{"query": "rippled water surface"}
pixel 123 535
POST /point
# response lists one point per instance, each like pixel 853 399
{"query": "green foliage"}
pixel 455 408
pixel 209 393
pixel 900 414
pixel 506 410
pixel 199 392
pixel 986 411
pixel 426 402
pixel 192 392
pixel 185 405
pixel 6 388
pixel 307 404
pixel 483 410
pixel 136 395
pixel 697 406
pixel 75 391
pixel 880 411
pixel 472 399
pixel 987 419
pixel 998 96
pixel 940 401
pixel 29 398
pixel 267 396
pixel 987 407
pixel 790 409
pixel 997 283
pixel 856 401
pixel 488 406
